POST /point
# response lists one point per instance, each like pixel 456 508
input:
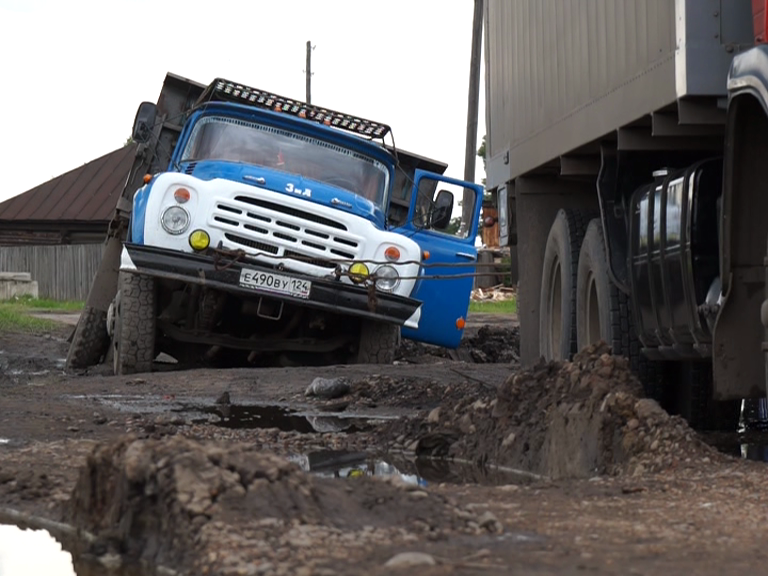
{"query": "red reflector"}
pixel 181 195
pixel 392 253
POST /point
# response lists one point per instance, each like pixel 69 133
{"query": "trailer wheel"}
pixel 557 309
pixel 90 341
pixel 378 342
pixel 603 312
pixel 135 325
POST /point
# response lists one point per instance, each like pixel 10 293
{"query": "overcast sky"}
pixel 74 72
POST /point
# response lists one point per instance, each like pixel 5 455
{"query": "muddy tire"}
pixel 603 312
pixel 135 325
pixel 557 306
pixel 378 342
pixel 90 342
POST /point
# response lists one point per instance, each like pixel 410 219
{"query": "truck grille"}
pixel 285 231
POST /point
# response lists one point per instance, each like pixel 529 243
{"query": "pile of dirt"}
pixel 177 502
pixel 412 392
pixel 491 344
pixel 563 420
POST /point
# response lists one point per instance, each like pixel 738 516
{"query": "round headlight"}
pixel 358 272
pixel 175 220
pixel 387 278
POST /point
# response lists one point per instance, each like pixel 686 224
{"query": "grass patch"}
pixel 15 313
pixel 14 318
pixel 495 307
pixel 43 304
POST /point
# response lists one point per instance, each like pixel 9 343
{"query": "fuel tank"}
pixel 674 247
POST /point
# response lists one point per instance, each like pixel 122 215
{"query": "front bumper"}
pixel 324 294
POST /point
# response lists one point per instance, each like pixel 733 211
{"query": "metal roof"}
pixel 88 193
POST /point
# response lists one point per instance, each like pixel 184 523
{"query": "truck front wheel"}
pixel 378 342
pixel 557 312
pixel 135 324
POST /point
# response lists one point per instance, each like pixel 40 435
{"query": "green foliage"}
pixel 15 313
pixel 494 306
pixel 15 319
pixel 453 225
pixel 43 304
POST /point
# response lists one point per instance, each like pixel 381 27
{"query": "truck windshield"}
pixel 222 138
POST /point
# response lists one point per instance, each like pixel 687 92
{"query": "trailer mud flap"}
pixel 739 368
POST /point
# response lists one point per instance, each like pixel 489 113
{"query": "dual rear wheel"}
pixel 580 305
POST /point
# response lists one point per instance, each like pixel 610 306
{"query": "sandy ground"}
pixel 69 441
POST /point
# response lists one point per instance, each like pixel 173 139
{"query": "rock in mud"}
pixel 185 504
pixel 328 388
pixel 409 559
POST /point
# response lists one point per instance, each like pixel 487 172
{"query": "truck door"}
pixel 445 228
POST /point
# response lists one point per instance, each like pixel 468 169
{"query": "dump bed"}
pixel 561 74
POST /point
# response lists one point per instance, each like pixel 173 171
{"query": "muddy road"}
pixel 443 463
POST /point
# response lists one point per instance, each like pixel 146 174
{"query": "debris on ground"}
pixel 491 344
pixel 175 502
pixel 562 420
pixel 498 293
pixel 414 392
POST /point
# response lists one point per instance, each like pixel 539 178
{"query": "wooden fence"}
pixel 61 272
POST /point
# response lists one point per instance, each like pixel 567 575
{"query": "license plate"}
pixel 276 283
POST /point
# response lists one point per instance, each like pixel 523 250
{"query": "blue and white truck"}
pixel 278 232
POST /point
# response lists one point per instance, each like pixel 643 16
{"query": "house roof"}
pixel 88 193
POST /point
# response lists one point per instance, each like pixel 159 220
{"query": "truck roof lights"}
pixel 225 90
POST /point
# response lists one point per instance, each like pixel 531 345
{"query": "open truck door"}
pixel 447 240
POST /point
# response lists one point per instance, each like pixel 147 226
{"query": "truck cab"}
pixel 273 237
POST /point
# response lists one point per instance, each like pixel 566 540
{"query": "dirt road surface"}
pixel 443 463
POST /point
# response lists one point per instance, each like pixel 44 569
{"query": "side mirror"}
pixel 144 122
pixel 441 212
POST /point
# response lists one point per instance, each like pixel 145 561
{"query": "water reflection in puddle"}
pixel 422 471
pixel 751 440
pixel 32 553
pixel 264 416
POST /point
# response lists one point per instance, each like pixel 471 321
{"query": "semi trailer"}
pixel 626 143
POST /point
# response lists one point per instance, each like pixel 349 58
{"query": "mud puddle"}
pixel 38 553
pixel 285 419
pixel 751 440
pixel 420 471
pixel 24 552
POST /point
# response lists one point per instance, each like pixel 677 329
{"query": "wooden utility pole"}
pixel 309 72
pixel 470 153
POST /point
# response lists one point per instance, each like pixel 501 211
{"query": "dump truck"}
pixel 256 229
pixel 624 143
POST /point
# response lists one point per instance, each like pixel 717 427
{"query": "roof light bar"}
pixel 225 90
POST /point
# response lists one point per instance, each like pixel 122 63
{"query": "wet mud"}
pixel 169 503
pixel 561 420
pixel 463 458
